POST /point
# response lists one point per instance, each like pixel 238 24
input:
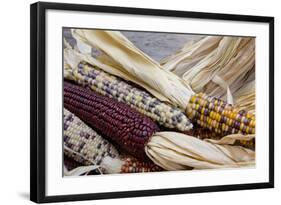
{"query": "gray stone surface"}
pixel 156 45
pixel 159 45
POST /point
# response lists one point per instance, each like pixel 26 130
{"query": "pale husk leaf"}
pixel 72 58
pixel 237 71
pixel 230 58
pixel 208 67
pixel 136 64
pixel 231 139
pixel 168 149
pixel 246 97
pixel 190 54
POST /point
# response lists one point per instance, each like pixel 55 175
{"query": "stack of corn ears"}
pixel 134 133
pixel 108 85
pixel 171 150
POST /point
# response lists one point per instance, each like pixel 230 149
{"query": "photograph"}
pixel 134 102
pixel 145 101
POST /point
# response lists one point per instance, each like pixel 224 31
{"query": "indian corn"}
pixel 133 165
pixel 166 115
pixel 83 144
pixel 218 116
pixel 123 125
pixel 204 133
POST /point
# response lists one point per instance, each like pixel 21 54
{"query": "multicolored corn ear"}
pixel 218 116
pixel 126 127
pixel 83 144
pixel 108 85
pixel 133 165
pixel 204 133
pixel 250 144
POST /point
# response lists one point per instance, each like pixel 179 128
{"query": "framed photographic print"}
pixel 129 102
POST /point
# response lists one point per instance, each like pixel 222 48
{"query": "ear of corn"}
pixel 218 116
pixel 206 134
pixel 133 165
pixel 126 127
pixel 111 86
pixel 203 133
pixel 83 144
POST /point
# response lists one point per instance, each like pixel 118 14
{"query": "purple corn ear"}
pixel 126 127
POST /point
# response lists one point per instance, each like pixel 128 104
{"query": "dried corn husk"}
pixel 175 151
pixel 238 70
pixel 190 54
pixel 137 65
pixel 247 141
pixel 246 97
pixel 73 57
pixel 231 59
pixel 200 74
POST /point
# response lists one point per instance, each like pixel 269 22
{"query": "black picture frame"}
pixel 38 100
